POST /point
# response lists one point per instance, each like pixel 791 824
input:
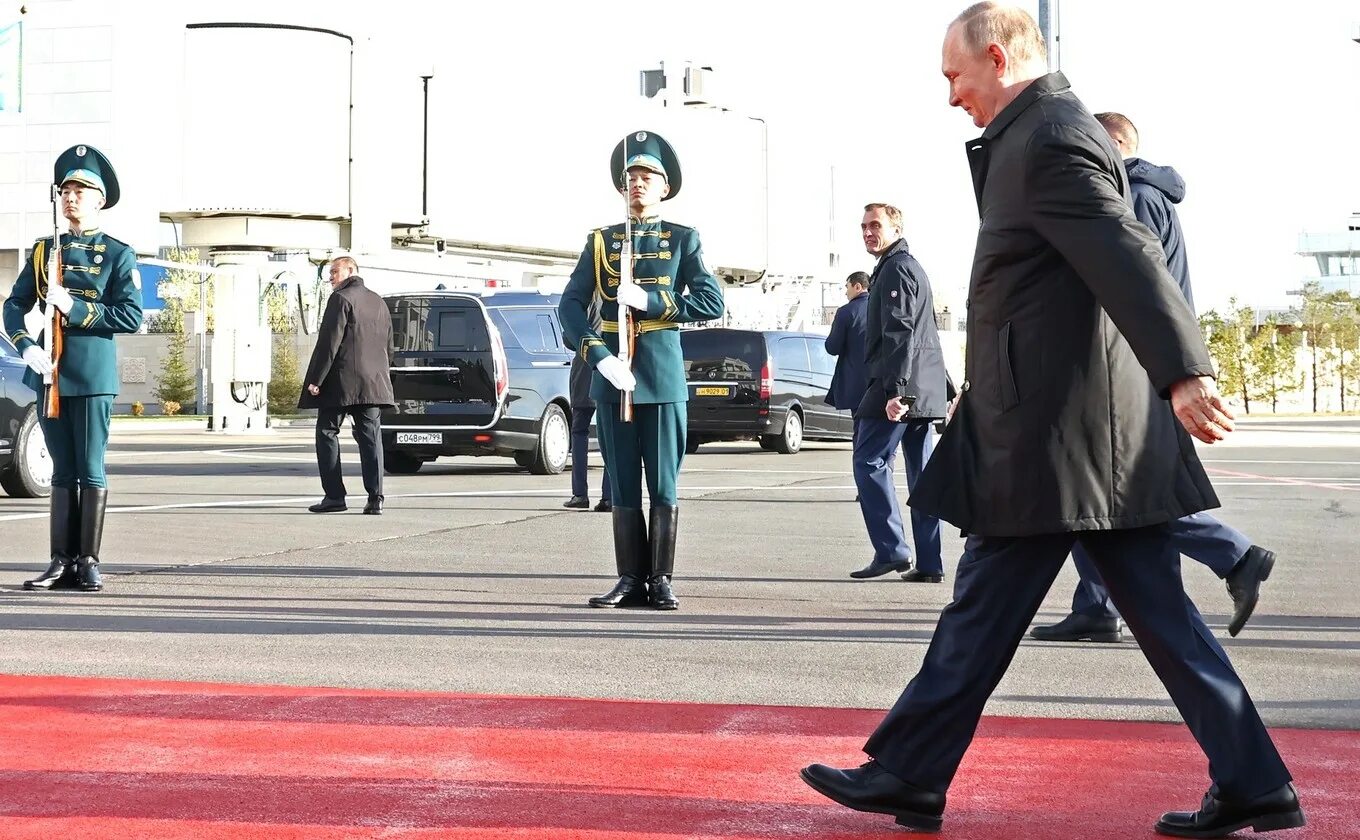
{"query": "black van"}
pixel 768 386
pixel 478 375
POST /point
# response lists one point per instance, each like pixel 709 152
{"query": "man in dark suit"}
pixel 1076 336
pixel 1226 551
pixel 846 343
pixel 907 390
pixel 350 374
pixel 582 412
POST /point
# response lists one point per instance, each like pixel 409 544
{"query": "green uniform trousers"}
pixel 655 440
pixel 77 440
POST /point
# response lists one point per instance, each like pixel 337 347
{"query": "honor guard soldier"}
pixel 89 292
pixel 650 275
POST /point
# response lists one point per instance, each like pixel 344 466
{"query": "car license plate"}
pixel 420 437
pixel 712 392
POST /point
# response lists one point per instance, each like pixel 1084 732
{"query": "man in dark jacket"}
pixel 1058 435
pixel 582 412
pixel 907 389
pixel 846 343
pixel 350 374
pixel 1228 552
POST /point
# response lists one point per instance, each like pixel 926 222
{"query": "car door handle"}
pixel 551 364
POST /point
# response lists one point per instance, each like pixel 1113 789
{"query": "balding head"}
pixel 992 51
pixel 1121 131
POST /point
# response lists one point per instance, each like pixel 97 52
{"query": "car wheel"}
pixel 554 442
pixel 768 442
pixel 30 472
pixel 791 440
pixel 401 463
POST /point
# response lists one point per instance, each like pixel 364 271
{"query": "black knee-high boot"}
pixel 92 502
pixel 662 528
pixel 630 559
pixel 64 524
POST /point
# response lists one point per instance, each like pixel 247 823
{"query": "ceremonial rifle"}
pixel 626 337
pixel 52 338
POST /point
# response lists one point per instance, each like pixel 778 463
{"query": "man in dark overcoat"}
pixel 350 374
pixel 1076 335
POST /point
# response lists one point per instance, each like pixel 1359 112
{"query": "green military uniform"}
pixel 669 266
pixel 99 273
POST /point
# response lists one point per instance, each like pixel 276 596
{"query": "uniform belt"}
pixel 642 326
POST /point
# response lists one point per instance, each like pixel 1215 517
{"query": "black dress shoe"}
pixel 1244 584
pixel 918 576
pixel 374 506
pixel 1079 627
pixel 603 506
pixel 876 568
pixel 60 574
pixel 1216 818
pixel 871 788
pixel 577 503
pixel 329 506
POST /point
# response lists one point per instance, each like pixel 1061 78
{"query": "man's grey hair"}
pixel 1120 128
pixel 349 261
pixel 1007 25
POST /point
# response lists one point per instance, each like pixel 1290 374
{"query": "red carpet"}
pixel 116 759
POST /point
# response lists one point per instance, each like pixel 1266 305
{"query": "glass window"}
pixel 822 361
pixel 722 355
pixel 535 330
pixel 424 324
pixel 790 354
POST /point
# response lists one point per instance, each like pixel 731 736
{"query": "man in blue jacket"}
pixel 908 388
pixel 846 343
pixel 1228 552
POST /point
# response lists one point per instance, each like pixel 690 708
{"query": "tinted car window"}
pixel 431 324
pixel 790 354
pixel 6 349
pixel 731 355
pixel 822 361
pixel 534 329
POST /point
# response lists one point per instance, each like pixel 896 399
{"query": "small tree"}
pixel 176 381
pixel 286 382
pixel 1274 363
pixel 1228 344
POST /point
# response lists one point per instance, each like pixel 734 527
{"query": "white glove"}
pixel 37 359
pixel 631 294
pixel 60 298
pixel 618 374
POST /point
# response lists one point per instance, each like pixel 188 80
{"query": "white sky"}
pixel 1260 112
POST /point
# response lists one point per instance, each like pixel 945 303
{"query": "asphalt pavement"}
pixel 475 579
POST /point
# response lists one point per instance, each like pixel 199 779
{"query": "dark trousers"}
pixel 78 439
pixel 367 426
pixel 654 441
pixel 1000 584
pixel 580 453
pixel 1199 536
pixel 875 456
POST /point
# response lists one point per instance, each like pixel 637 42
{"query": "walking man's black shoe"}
pixel 603 506
pixel 1216 818
pixel 877 569
pixel 872 788
pixel 918 576
pixel 577 503
pixel 1079 627
pixel 1244 584
pixel 329 506
pixel 374 506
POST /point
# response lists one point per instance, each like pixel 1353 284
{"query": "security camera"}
pixel 439 245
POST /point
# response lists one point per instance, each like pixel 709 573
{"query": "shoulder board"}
pixel 678 228
pixel 114 241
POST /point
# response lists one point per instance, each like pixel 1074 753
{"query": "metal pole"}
pixel 1048 25
pixel 425 154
